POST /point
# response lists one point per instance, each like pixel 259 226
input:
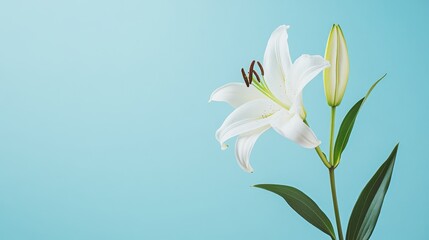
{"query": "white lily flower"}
pixel 273 100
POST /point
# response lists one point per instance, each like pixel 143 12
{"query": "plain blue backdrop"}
pixel 106 133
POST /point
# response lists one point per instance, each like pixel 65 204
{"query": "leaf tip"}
pixel 395 150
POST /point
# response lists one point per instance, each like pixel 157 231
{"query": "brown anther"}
pixel 245 77
pixel 257 76
pixel 261 68
pixel 251 71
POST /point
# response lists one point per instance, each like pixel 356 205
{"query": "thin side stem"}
pixel 320 152
pixel 335 202
pixel 323 157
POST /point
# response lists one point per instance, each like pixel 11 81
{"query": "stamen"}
pixel 245 77
pixel 251 71
pixel 260 84
pixel 257 76
pixel 261 68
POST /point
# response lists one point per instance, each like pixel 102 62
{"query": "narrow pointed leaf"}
pixel 347 125
pixel 368 206
pixel 303 205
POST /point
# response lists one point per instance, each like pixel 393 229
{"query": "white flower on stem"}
pixel 272 99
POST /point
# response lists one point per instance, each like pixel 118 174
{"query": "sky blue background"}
pixel 106 133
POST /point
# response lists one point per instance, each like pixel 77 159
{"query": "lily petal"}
pixel 304 69
pixel 248 117
pixel 235 94
pixel 244 146
pixel 277 62
pixel 293 128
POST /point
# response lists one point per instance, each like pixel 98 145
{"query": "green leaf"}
pixel 347 125
pixel 368 206
pixel 303 205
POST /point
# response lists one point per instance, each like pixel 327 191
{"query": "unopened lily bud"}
pixel 336 76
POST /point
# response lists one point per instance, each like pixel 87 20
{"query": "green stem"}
pixel 331 140
pixel 332 175
pixel 335 201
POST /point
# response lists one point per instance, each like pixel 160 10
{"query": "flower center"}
pixel 259 82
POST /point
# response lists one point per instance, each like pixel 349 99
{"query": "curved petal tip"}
pixel 284 26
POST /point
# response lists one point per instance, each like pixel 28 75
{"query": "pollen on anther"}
pixel 251 71
pixel 261 68
pixel 245 77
